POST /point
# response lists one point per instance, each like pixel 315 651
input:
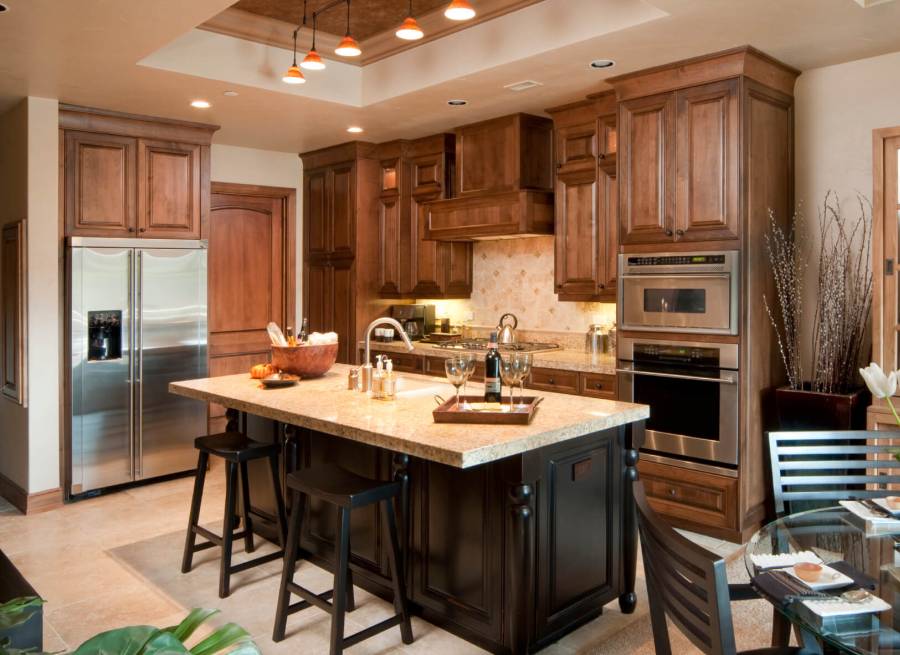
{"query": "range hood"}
pixel 503 182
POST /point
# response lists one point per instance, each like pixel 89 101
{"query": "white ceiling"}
pixel 146 57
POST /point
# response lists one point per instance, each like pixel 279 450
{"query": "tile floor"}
pixel 114 560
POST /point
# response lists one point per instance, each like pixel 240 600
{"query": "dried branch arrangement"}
pixel 843 294
pixel 788 267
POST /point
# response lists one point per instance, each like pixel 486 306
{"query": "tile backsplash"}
pixel 516 275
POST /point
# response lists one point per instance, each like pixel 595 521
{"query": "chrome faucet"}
pixel 385 321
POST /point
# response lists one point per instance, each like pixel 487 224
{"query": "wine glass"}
pixel 470 370
pixel 455 368
pixel 509 375
pixel 522 361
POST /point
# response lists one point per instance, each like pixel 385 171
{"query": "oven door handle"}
pixel 631 371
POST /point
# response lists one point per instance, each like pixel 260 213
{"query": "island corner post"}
pixel 510 555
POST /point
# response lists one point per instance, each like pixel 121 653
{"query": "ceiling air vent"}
pixel 524 85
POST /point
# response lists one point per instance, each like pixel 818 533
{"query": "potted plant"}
pixel 825 393
pixel 20 622
pixel 148 640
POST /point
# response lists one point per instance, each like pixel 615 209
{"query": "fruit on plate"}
pixel 260 371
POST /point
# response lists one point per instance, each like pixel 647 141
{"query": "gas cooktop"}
pixel 482 344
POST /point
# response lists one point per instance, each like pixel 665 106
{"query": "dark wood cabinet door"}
pixel 317 232
pixel 318 296
pixel 578 236
pixel 608 216
pixel 343 319
pixel 576 146
pixel 168 189
pixel 342 203
pixel 428 259
pixel 428 175
pixel 646 149
pixel 390 260
pixel 100 184
pixel 458 269
pixel 486 156
pixel 706 168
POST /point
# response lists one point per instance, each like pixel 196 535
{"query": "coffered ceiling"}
pixel 367 17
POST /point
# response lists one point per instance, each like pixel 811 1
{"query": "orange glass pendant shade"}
pixel 348 47
pixel 293 75
pixel 410 30
pixel 312 61
pixel 459 10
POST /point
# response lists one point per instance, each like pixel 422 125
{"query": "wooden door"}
pixel 100 184
pixel 707 156
pixel 886 252
pixel 608 216
pixel 168 189
pixel 342 209
pixel 646 151
pixel 344 317
pixel 250 276
pixel 577 234
pixel 317 222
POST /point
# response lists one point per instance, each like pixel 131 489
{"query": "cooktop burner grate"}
pixel 482 344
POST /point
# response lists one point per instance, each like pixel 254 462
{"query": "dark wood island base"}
pixel 510 555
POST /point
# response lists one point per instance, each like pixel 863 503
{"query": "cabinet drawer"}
pixel 597 385
pixel 551 379
pixel 403 362
pixel 435 366
pixel 691 496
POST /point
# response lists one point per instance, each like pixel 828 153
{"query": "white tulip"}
pixel 881 385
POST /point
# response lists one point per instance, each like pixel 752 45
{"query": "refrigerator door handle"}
pixel 139 378
pixel 131 355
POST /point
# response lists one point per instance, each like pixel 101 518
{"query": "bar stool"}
pixel 236 449
pixel 347 491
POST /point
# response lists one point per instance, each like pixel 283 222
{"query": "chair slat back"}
pixel 821 468
pixel 685 582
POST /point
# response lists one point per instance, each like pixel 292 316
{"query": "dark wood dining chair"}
pixel 687 584
pixel 818 469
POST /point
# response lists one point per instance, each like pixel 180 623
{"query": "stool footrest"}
pixel 212 537
pixel 249 564
pixel 371 631
pixel 319 600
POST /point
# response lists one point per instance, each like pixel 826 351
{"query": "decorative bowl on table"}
pixel 305 361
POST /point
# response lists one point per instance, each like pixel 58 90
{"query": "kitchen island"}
pixel 514 535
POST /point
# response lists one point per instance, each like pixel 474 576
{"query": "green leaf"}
pixel 164 643
pixel 228 635
pixel 248 648
pixel 18 610
pixel 123 641
pixel 191 622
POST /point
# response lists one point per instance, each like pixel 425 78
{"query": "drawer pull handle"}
pixel 551 381
pixel 672 491
pixel 598 385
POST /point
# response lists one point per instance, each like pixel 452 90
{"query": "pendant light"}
pixel 409 30
pixel 348 47
pixel 312 61
pixel 459 10
pixel 294 75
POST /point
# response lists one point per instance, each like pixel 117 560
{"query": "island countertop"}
pixel 406 425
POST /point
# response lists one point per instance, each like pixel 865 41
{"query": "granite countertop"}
pixel 406 425
pixel 567 360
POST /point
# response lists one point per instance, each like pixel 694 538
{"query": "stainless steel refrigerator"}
pixel 137 322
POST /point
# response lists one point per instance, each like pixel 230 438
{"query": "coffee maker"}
pixel 417 320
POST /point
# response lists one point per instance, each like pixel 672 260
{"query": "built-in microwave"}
pixel 694 292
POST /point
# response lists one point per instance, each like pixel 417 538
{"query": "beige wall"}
pixel 837 107
pixel 267 168
pixel 14 206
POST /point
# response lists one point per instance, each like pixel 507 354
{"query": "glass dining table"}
pixel 837 537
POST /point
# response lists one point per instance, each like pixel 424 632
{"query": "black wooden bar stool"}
pixel 347 491
pixel 236 449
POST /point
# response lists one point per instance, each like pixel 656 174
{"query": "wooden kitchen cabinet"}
pixel 134 176
pixel 168 190
pixel 100 184
pixel 647 169
pixel 393 218
pixel 586 199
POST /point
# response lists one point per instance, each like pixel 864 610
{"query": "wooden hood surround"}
pixel 504 182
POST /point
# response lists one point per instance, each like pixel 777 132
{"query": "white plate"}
pixel 882 502
pixel 830 579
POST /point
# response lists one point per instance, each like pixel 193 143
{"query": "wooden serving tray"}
pixel 449 412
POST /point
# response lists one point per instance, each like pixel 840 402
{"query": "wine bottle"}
pixel 304 331
pixel 492 388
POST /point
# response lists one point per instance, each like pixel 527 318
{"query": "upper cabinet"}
pixel 133 176
pixel 682 135
pixel 504 182
pixel 586 199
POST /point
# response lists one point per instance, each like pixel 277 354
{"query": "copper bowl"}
pixel 305 361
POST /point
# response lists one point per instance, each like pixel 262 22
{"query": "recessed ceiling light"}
pixel 200 104
pixel 231 94
pixel 457 102
pixel 3 8
pixel 602 63
pixel 354 129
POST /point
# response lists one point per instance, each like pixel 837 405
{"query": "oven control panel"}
pixel 676 354
pixel 676 260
